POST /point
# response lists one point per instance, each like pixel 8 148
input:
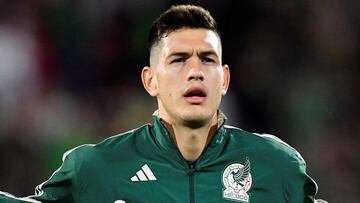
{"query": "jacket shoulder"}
pixel 122 141
pixel 124 138
pixel 267 144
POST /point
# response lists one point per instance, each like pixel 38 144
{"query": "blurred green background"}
pixel 70 74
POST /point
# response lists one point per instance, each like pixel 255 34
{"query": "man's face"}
pixel 187 76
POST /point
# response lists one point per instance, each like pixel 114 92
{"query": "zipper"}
pixel 191 173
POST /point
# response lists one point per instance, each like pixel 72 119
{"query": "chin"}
pixel 196 119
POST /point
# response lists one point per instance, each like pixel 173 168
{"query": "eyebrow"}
pixel 207 53
pixel 179 54
pixel 187 54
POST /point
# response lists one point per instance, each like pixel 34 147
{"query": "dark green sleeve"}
pixel 299 187
pixel 58 188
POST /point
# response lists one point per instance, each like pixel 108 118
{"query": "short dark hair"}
pixel 181 16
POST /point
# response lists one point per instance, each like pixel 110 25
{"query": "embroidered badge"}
pixel 237 181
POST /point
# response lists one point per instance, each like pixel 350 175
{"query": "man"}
pixel 188 154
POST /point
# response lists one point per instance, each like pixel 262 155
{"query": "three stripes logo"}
pixel 144 174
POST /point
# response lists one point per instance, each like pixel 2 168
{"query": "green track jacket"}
pixel 144 165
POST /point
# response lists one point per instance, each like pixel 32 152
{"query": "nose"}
pixel 195 71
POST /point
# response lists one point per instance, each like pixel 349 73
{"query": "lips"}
pixel 195 95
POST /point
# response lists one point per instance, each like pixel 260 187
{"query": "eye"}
pixel 208 60
pixel 178 60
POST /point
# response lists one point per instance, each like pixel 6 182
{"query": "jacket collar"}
pixel 166 144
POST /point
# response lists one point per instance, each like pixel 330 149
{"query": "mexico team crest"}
pixel 237 181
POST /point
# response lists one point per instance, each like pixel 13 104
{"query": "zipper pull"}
pixel 192 169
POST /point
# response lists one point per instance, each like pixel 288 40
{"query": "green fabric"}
pixel 102 173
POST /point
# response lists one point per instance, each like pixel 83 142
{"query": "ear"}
pixel 226 79
pixel 149 81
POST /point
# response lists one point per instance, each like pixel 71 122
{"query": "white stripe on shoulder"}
pixel 273 137
pixel 262 135
pixel 232 127
pixel 38 189
pixel 25 199
pixel 118 135
pixel 75 148
pixel 280 141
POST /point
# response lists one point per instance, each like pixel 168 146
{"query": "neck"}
pixel 191 142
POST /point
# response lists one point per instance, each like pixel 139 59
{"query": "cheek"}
pixel 168 83
pixel 216 81
pixel 166 88
pixel 216 87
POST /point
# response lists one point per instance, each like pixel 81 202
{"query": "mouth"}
pixel 195 95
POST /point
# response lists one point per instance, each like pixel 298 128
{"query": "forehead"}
pixel 189 39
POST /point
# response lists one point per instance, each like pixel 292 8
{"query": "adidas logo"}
pixel 144 174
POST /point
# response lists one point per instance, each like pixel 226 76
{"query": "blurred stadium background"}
pixel 69 74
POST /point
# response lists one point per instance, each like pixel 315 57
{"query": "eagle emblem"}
pixel 237 181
